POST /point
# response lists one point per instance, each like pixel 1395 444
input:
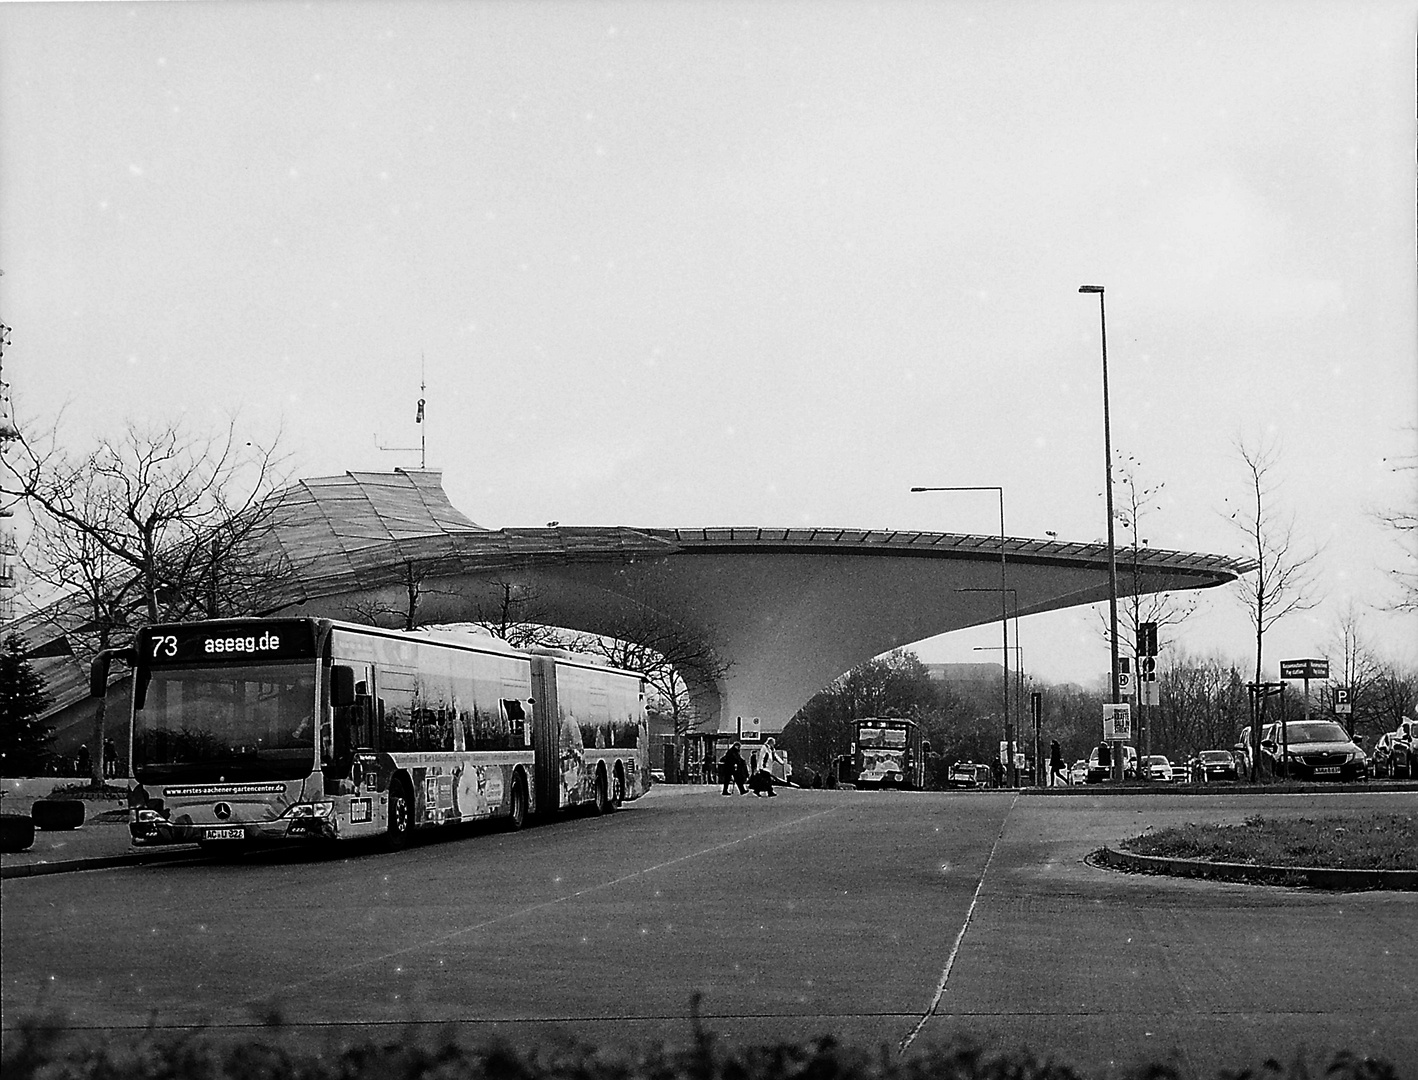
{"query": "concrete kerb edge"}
pixel 98 862
pixel 1313 877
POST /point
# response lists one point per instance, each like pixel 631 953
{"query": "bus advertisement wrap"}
pixel 304 729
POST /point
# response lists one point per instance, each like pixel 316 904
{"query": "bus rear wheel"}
pixel 602 801
pixel 401 815
pixel 618 792
pixel 518 817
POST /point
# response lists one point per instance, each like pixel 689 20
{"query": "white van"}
pixel 1098 773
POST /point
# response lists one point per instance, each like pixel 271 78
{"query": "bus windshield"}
pixel 228 723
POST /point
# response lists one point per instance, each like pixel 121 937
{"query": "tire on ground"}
pixel 401 814
pixel 518 818
pixel 52 815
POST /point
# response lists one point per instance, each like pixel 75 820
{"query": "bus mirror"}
pixel 98 670
pixel 98 674
pixel 342 686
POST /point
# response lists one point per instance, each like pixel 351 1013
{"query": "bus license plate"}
pixel 225 834
pixel 1327 770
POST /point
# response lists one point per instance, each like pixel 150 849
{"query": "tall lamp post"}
pixel 1014 735
pixel 1112 549
pixel 1003 608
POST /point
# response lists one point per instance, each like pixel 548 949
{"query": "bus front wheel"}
pixel 401 815
pixel 602 801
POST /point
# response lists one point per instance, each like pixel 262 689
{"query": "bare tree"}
pixel 1360 671
pixel 1283 581
pixel 678 663
pixel 154 524
pixel 1403 522
pixel 185 515
pixel 512 611
pixel 1135 501
pixel 416 580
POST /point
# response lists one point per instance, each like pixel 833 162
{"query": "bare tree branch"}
pixel 1283 581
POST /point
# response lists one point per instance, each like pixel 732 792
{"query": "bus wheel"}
pixel 602 802
pixel 518 817
pixel 618 793
pixel 401 815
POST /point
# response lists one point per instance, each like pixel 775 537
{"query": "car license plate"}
pixel 225 834
pixel 1327 770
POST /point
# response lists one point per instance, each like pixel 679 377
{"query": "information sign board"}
pixel 1304 669
pixel 1117 722
pixel 1342 705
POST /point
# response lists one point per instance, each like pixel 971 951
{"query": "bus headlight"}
pixel 311 810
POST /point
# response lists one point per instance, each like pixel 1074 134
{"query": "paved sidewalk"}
pixel 101 841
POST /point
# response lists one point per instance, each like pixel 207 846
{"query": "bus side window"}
pixel 519 734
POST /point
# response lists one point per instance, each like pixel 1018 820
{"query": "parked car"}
pixel 1098 773
pixel 1403 750
pixel 1159 768
pixel 1242 750
pixel 1078 772
pixel 1210 766
pixel 1312 750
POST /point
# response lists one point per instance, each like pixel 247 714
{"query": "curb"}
pixel 1313 877
pixel 98 862
pixel 1244 787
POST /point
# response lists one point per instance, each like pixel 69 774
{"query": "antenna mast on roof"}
pixel 422 447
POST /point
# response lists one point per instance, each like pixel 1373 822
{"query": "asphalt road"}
pixel 880 918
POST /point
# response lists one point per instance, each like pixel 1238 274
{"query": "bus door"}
pixel 350 762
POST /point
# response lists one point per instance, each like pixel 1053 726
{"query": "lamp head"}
pixel 1090 288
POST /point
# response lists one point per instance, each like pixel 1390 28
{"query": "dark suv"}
pixel 1312 750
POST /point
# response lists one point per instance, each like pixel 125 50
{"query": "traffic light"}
pixel 1147 639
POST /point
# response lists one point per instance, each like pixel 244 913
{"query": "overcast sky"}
pixel 702 263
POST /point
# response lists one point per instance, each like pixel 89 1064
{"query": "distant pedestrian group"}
pixel 734 772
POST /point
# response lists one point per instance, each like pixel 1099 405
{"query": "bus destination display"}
pixel 216 643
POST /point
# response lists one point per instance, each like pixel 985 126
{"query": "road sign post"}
pixel 1146 682
pixel 1036 710
pixel 1304 670
pixel 1343 707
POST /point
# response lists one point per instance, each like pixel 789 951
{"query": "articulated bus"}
pixel 889 752
pixel 249 731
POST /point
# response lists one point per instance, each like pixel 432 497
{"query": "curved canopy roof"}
pixel 783 611
pixel 764 617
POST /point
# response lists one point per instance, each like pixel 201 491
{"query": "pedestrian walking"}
pixel 1056 763
pixel 110 758
pixel 81 763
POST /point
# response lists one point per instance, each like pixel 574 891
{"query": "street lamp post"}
pixel 1108 490
pixel 1014 734
pixel 1004 610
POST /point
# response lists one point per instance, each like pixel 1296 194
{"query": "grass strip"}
pixel 1349 842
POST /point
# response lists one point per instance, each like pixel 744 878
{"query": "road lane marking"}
pixel 520 912
pixel 955 949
